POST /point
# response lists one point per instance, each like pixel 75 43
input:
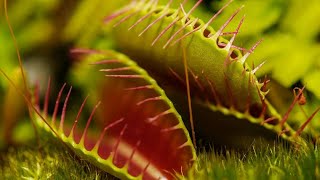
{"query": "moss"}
pixel 274 162
pixel 52 160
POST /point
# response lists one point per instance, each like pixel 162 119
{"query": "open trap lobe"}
pixel 219 76
pixel 132 126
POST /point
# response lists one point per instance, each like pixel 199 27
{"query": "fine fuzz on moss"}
pixel 55 161
pixel 273 162
pixel 52 161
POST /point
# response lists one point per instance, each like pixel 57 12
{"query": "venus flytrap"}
pixel 286 40
pixel 221 79
pixel 136 134
pixel 133 130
